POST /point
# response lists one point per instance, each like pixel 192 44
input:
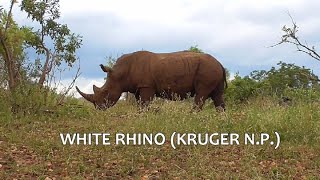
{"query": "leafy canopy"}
pixel 47 13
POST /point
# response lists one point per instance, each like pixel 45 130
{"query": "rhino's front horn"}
pixel 88 97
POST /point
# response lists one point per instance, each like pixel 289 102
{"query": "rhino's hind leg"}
pixel 146 95
pixel 217 97
pixel 219 103
pixel 199 100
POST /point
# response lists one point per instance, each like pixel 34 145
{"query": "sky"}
pixel 238 33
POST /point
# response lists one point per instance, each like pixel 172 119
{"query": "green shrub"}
pixel 31 99
pixel 5 108
pixel 241 89
pixel 287 80
pixel 286 76
pixel 304 95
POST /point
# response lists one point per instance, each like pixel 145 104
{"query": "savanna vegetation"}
pixel 283 99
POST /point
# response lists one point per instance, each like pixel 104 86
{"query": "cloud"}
pixel 84 84
pixel 238 33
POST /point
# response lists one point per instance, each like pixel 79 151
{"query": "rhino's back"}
pixel 178 72
pixel 172 72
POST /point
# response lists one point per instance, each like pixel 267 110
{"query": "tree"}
pixel 51 33
pixel 111 61
pixel 276 81
pixel 11 46
pixel 53 42
pixel 15 39
pixel 290 36
pixel 195 49
pixel 291 76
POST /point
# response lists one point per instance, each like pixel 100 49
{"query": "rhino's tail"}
pixel 224 77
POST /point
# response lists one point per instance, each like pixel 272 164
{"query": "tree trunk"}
pixel 13 74
pixel 10 63
pixel 45 69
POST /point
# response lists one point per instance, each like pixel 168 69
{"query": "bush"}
pixel 31 99
pixel 288 80
pixel 5 108
pixel 241 89
pixel 276 81
pixel 304 95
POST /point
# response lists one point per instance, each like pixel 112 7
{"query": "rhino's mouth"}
pixel 107 104
pixel 100 106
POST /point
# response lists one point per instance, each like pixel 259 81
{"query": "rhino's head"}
pixel 107 95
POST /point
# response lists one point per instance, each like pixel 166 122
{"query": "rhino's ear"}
pixel 95 89
pixel 106 68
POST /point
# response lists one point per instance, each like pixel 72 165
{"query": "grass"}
pixel 30 146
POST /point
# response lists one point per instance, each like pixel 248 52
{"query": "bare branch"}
pixel 290 36
pixel 9 17
pixel 71 85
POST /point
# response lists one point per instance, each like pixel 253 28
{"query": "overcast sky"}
pixel 238 33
